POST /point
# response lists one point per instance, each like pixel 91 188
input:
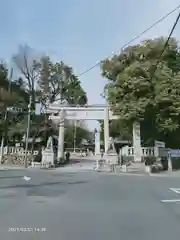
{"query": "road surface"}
pixel 66 205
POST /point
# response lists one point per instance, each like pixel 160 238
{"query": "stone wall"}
pixel 16 156
pixel 15 159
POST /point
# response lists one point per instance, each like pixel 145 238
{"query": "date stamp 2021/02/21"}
pixel 27 229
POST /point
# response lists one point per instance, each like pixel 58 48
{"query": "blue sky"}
pixel 80 32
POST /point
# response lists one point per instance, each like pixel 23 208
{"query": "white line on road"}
pixel 176 190
pixel 170 201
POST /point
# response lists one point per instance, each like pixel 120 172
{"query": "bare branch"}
pixel 29 67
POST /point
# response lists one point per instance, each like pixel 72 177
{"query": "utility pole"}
pixel 75 133
pixel 5 117
pixel 27 132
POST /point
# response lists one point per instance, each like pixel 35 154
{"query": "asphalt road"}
pixel 87 205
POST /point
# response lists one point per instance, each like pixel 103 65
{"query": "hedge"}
pixel 175 163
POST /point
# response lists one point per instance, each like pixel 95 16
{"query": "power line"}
pixel 135 38
pixel 162 52
pixel 159 59
pixel 166 44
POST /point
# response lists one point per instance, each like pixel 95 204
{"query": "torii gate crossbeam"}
pixel 66 113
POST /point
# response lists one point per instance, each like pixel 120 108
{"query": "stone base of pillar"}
pixel 100 162
pixel 111 158
pixel 169 165
pixel 148 169
pixel 60 160
pixel 124 168
pixel 48 157
pixel 137 158
pixel 98 154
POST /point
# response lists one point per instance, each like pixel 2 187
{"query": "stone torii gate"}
pixel 87 112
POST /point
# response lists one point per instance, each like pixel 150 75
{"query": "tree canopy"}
pixel 45 81
pixel 12 93
pixel 57 79
pixel 144 87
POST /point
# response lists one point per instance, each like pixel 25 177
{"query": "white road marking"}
pixel 27 178
pixel 176 190
pixel 170 201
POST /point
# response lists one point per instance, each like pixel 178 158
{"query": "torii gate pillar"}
pixel 104 109
pixel 106 129
pixel 60 153
pixel 97 142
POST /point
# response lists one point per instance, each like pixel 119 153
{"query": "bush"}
pixel 175 163
pixel 164 162
pixel 126 159
pixel 38 157
pixel 149 160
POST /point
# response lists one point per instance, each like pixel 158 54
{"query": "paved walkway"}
pixel 86 166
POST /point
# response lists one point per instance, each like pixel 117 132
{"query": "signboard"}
pixel 174 152
pixel 163 152
pixel 159 144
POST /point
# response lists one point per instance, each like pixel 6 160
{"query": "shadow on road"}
pixel 43 184
pixel 66 174
pixel 10 177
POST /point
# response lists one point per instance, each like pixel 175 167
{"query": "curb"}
pixel 4 167
pixel 165 176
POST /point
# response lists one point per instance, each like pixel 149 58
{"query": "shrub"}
pixel 164 162
pixel 149 160
pixel 175 163
pixel 126 159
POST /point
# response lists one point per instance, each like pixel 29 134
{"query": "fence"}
pixel 16 155
pixel 145 151
pixel 17 150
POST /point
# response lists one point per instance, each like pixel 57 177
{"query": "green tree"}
pixel 11 93
pixel 44 81
pixel 14 98
pixel 138 92
pixel 81 133
pixel 117 128
pixel 58 79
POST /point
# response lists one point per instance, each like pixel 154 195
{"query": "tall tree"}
pixel 81 133
pixel 118 128
pixel 57 80
pixel 137 92
pixel 27 62
pixel 14 98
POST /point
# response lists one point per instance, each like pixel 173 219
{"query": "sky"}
pixel 81 32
